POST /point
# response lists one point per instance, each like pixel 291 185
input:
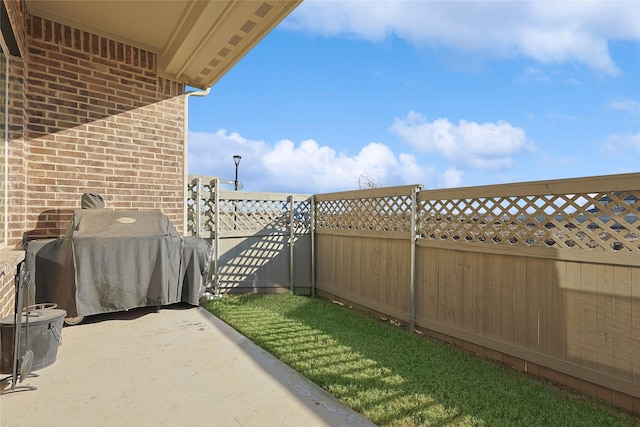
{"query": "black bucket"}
pixel 45 334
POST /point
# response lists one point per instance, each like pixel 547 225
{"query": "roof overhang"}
pixel 196 41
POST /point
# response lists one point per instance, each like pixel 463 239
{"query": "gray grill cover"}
pixel 118 260
pixel 124 259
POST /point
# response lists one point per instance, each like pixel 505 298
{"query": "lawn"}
pixel 395 378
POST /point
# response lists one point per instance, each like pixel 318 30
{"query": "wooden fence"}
pixel 261 241
pixel 544 275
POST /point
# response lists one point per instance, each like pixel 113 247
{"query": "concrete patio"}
pixel 177 366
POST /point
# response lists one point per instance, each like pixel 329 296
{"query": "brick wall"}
pixel 17 195
pixel 99 120
pixel 86 114
pixel 16 200
pixel 9 261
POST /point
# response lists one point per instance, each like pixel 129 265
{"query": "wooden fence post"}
pixel 414 239
pixel 198 201
pixel 291 235
pixel 312 231
pixel 216 233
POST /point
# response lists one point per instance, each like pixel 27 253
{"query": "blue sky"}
pixel 444 94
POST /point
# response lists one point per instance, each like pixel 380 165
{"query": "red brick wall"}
pixel 86 114
pixel 99 120
pixel 16 201
pixel 17 195
pixel 9 261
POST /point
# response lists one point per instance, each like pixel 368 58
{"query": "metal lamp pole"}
pixel 236 160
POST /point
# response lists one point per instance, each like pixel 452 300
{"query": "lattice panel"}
pixel 368 214
pixel 191 208
pixel 204 194
pixel 243 214
pixel 254 215
pixel 302 217
pixel 605 221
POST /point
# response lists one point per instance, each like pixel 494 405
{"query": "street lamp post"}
pixel 236 160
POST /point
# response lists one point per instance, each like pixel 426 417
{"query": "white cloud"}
pixel 534 73
pixel 303 168
pixel 451 178
pixel 625 146
pixel 549 32
pixel 468 144
pixel 559 45
pixel 628 105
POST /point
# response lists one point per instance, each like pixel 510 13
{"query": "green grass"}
pixel 395 378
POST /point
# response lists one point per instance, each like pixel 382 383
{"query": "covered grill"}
pixel 118 260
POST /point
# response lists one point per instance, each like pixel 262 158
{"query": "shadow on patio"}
pixel 178 365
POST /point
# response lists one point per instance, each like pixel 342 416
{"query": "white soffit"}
pixel 197 41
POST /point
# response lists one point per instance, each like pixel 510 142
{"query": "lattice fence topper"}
pixel 199 200
pixel 302 216
pixel 256 215
pixel 240 211
pixel 607 221
pixel 392 213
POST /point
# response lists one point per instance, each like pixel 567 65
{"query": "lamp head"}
pixel 236 159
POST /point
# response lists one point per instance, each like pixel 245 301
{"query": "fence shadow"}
pixel 255 263
pixel 261 263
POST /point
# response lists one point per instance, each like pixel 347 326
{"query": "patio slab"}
pixel 177 366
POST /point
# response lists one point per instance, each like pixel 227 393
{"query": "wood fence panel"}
pixel 340 264
pixel 572 286
pixel 376 273
pixel 623 334
pixel 520 302
pixel 363 253
pixel 360 263
pixel 352 283
pixel 388 286
pixel 547 329
pixel 458 290
pixel 486 277
pixel 326 273
pixel 302 261
pixel 605 318
pixel 398 277
pixel 469 292
pixel 559 308
pixel 322 264
pixel 589 320
pixel 635 322
pixel 427 284
pixel 435 293
pixel 497 267
pixel 444 294
pixel 479 304
pixel 551 307
pixel 532 311
pixel 362 283
pixel 506 275
pixel 365 270
pixel 251 263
